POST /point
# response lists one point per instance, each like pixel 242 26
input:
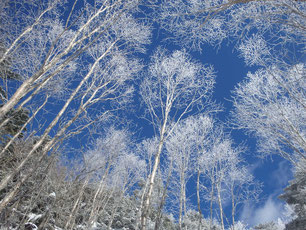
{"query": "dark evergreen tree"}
pixel 295 195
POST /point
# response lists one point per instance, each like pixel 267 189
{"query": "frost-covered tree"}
pixel 173 86
pixel 160 195
pixel 197 22
pixel 208 154
pixel 238 226
pixel 226 179
pixel 45 48
pixel 217 163
pixel 43 45
pixel 183 158
pixel 202 136
pixel 182 148
pixel 102 160
pixel 242 188
pixel 191 221
pixel 31 193
pixel 279 225
pixel 270 104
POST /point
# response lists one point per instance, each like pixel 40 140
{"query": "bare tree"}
pixel 167 180
pixel 145 149
pixel 173 86
pixel 197 22
pixel 102 159
pixel 182 148
pixel 270 104
pixel 104 39
pixel 219 163
pixel 61 42
pixel 242 188
pixel 127 173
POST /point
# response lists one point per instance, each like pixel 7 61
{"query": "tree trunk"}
pixel 8 177
pixel 21 91
pixel 162 203
pixel 211 202
pixel 233 206
pixel 198 200
pixel 93 212
pixel 76 205
pixel 220 205
pixel 147 197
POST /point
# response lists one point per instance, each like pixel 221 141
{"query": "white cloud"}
pixel 282 175
pixel 271 210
